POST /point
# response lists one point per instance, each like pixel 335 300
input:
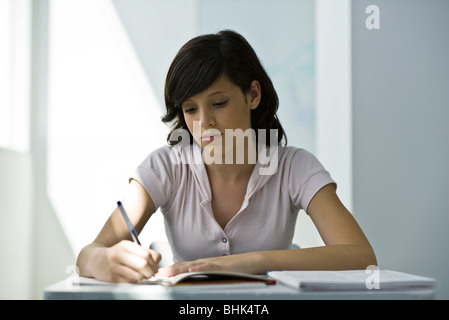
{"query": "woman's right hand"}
pixel 112 258
pixel 125 261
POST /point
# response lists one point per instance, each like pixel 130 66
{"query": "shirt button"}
pixel 224 240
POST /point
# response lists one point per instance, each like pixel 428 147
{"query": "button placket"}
pixel 224 245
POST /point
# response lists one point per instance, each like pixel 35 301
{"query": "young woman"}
pixel 234 211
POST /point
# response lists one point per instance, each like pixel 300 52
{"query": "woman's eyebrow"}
pixel 208 96
pixel 216 92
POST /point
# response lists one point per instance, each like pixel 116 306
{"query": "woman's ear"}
pixel 254 95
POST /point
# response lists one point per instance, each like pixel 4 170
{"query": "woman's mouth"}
pixel 210 137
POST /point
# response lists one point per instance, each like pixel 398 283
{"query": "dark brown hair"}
pixel 201 61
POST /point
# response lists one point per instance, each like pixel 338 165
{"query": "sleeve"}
pixel 307 176
pixel 156 174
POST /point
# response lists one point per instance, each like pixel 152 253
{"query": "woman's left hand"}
pixel 237 263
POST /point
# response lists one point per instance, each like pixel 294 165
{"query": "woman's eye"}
pixel 189 110
pixel 220 103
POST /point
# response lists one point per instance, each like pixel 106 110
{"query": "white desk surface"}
pixel 64 290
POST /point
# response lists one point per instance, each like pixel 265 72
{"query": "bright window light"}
pixel 15 74
pixel 103 116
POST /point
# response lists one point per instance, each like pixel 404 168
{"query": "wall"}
pixel 400 132
pixel 51 253
pixel 15 224
pixel 34 250
pixel 149 25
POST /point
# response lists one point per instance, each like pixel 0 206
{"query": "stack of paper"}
pixel 351 280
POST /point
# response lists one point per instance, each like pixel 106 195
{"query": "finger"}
pixel 140 265
pixel 155 255
pixel 139 258
pixel 134 248
pixel 201 265
pixel 152 257
pixel 174 269
pixel 197 268
pixel 123 273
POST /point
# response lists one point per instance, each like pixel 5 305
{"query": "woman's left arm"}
pixel 340 230
pixel 346 245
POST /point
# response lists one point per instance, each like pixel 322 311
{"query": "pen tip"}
pixel 119 203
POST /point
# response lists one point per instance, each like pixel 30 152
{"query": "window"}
pixel 15 75
pixel 103 115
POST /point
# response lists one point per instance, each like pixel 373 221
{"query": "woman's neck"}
pixel 229 172
pixel 236 162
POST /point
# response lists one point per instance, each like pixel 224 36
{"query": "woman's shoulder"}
pixel 160 161
pixel 298 160
pixel 292 153
pixel 162 151
pixel 173 160
pixel 161 154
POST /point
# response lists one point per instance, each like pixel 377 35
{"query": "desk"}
pixel 63 290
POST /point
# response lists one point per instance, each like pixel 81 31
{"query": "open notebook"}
pixel 208 277
pixel 352 280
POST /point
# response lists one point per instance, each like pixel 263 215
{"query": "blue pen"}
pixel 128 223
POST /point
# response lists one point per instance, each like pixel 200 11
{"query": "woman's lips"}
pixel 210 137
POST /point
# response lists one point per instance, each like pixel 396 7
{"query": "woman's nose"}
pixel 206 118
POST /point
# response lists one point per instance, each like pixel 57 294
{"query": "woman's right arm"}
pixel 112 256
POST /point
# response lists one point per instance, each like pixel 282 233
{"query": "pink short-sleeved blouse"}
pixel 178 184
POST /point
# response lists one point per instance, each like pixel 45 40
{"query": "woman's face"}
pixel 221 106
